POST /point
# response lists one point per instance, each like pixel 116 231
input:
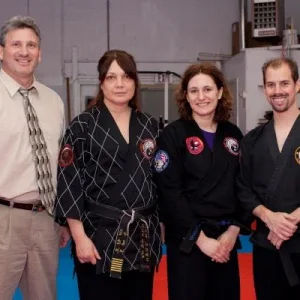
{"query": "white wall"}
pixel 161 34
pixel 292 9
pixel 11 8
pixel 152 30
pixel 84 27
pixel 235 68
pixel 256 103
pixel 172 29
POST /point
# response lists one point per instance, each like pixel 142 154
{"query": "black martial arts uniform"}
pixel 107 184
pixel 272 178
pixel 197 192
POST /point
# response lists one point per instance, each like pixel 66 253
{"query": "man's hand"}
pixel 212 248
pixel 296 215
pixel 275 240
pixel 65 236
pixel 280 223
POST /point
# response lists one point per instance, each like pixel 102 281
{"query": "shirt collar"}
pixel 12 86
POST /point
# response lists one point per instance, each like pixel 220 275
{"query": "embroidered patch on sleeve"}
pixel 297 155
pixel 194 145
pixel 161 161
pixel 147 148
pixel 232 146
pixel 66 156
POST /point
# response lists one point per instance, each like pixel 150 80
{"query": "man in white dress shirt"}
pixel 29 236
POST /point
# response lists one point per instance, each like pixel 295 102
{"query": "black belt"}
pixel 126 217
pixel 26 206
pixel 288 266
pixel 285 257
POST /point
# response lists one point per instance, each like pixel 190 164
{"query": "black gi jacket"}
pixel 97 166
pixel 269 177
pixel 193 181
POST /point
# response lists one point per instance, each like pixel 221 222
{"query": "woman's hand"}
pixel 228 238
pixel 162 232
pixel 86 251
pixel 212 248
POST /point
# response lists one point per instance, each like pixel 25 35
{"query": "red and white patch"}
pixel 148 147
pixel 66 156
pixel 232 146
pixel 194 145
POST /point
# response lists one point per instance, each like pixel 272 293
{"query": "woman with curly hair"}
pixel 196 164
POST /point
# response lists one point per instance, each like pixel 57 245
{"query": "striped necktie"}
pixel 39 153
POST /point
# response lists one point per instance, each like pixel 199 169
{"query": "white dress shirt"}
pixel 17 169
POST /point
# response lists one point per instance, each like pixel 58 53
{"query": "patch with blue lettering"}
pixel 161 161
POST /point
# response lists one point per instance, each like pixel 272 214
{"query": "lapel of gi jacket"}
pixel 220 158
pixel 280 159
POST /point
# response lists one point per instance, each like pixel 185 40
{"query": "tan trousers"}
pixel 29 248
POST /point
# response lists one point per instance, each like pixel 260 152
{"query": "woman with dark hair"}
pixel 196 164
pixel 105 188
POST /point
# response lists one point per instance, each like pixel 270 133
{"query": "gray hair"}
pixel 18 22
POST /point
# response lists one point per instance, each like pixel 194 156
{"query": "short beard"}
pixel 281 109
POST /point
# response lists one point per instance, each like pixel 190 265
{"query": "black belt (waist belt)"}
pixel 26 206
pixel 288 266
pixel 126 217
pixel 285 257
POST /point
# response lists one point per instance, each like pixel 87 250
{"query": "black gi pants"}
pixel 134 285
pixel 269 277
pixel 196 277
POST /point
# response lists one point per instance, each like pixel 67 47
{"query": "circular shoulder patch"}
pixel 66 156
pixel 148 147
pixel 161 161
pixel 194 145
pixel 232 146
pixel 297 155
